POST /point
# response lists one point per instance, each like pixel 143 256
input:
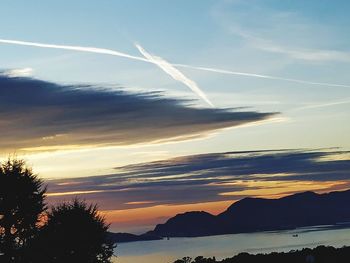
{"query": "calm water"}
pixel 166 251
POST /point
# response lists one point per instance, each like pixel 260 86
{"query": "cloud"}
pixel 212 177
pixel 41 115
pixel 281 30
pixel 295 53
pixel 174 73
pixel 158 61
pixel 22 72
pixel 304 54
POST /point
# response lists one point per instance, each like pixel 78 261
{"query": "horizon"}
pixel 151 109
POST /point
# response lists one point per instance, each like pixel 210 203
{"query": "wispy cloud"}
pixel 295 53
pixel 174 73
pixel 279 31
pixel 304 54
pixel 41 115
pixel 160 61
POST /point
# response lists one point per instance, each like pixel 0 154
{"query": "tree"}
pixel 22 203
pixel 184 260
pixel 75 232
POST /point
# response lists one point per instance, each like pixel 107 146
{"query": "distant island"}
pixel 260 214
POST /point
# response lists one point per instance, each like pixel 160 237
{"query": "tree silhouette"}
pixel 22 197
pixel 71 232
pixel 75 232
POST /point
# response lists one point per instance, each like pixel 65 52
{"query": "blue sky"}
pixel 303 40
pixel 204 33
pixel 291 39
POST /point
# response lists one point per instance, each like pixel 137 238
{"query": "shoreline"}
pixel 311 228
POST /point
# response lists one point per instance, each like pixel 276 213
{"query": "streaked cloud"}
pixel 44 116
pixel 212 178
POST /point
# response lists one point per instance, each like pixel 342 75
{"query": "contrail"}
pixel 164 65
pixel 224 71
pixel 174 73
pixel 75 48
pixel 125 55
pixel 322 105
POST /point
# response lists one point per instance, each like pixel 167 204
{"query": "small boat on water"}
pixel 295 235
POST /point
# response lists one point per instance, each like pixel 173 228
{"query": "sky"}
pixel 151 108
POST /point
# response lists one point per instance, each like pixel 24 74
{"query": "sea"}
pixel 223 246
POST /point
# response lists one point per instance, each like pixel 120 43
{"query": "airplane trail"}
pixel 164 65
pixel 323 105
pixel 125 55
pixel 230 72
pixel 174 73
pixel 75 48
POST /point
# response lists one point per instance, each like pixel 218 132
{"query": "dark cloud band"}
pixel 36 113
pixel 203 178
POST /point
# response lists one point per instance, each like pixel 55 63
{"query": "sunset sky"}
pixel 151 108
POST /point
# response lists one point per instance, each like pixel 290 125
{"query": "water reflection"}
pixel 164 251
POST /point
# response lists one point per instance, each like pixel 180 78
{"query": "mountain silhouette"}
pixel 260 214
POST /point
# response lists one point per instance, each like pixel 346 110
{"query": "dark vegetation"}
pixel 320 254
pixel 73 232
pixel 30 232
pixel 259 214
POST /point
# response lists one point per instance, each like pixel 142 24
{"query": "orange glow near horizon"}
pixel 159 213
pixel 152 215
pixel 277 189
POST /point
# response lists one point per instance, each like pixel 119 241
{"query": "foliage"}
pixel 75 232
pixel 29 233
pixel 22 203
pixel 321 254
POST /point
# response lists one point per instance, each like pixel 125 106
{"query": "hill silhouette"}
pixel 260 214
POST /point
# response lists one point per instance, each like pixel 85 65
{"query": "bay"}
pixel 223 246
